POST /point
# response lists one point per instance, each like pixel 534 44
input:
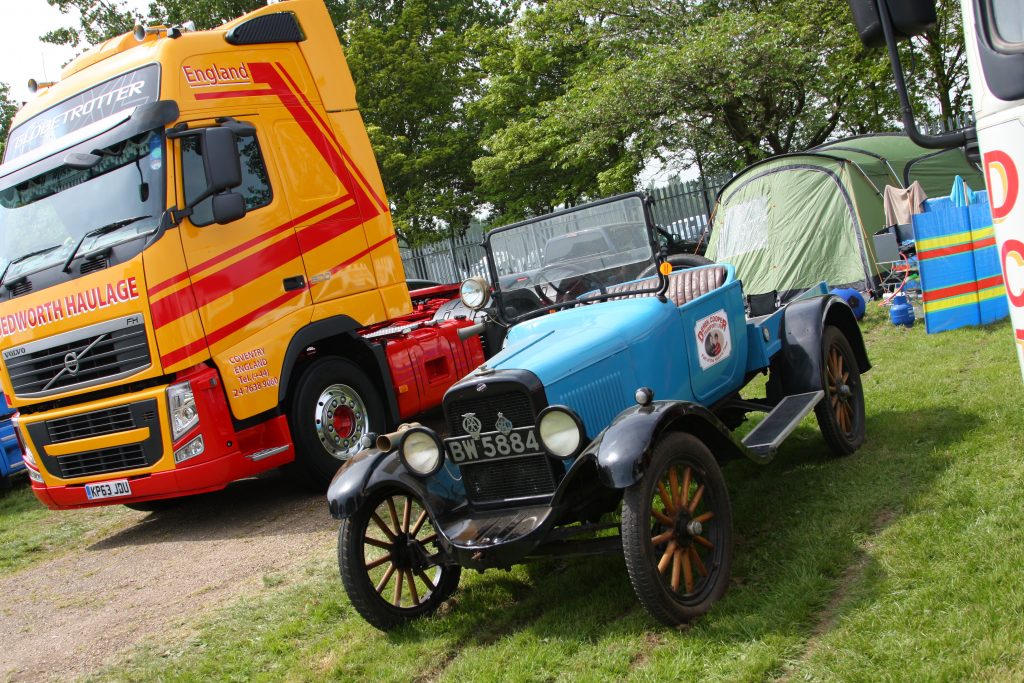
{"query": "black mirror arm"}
pixel 961 138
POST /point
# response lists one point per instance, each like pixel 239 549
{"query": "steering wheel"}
pixel 571 285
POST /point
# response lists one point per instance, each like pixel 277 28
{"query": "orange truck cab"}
pixel 201 279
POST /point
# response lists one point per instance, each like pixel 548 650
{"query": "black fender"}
pixel 797 368
pixel 341 337
pixel 623 450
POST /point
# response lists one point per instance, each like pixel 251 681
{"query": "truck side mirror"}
pixel 909 18
pixel 220 159
pixel 227 207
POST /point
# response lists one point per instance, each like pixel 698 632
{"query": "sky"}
pixel 23 55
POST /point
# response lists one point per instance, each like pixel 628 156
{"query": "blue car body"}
pixel 10 459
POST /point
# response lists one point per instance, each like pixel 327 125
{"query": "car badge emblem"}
pixel 504 425
pixel 481 387
pixel 471 425
pixel 71 363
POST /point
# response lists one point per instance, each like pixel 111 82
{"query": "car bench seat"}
pixel 683 285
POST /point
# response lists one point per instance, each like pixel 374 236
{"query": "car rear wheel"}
pixel 677 531
pixel 390 561
pixel 841 412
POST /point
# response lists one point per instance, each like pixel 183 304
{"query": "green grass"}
pixel 30 532
pixel 901 562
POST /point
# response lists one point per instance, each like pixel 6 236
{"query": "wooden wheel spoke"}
pixel 429 539
pixel 696 498
pixel 378 562
pixel 394 514
pixel 846 377
pixel 426 579
pixel 666 500
pixel 673 481
pixel 406 511
pixel 835 400
pixel 704 542
pixel 687 478
pixel 687 573
pixel 383 526
pixel 370 540
pixel 666 556
pixel 705 517
pixel 677 565
pixel 397 601
pixel 384 580
pixel 419 524
pixel 697 562
pixel 663 537
pixel 662 517
pixel 412 587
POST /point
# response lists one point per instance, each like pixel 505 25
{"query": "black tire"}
pixel 678 571
pixel 678 262
pixel 841 412
pixel 154 505
pixel 384 557
pixel 333 407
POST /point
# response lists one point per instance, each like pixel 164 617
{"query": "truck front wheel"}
pixel 677 531
pixel 335 405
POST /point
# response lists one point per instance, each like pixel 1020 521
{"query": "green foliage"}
pixel 8 108
pixel 98 20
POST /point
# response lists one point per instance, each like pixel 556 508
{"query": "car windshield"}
pixel 44 218
pixel 560 257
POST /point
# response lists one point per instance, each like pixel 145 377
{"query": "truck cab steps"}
pixel 764 439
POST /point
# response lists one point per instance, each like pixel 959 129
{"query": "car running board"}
pixel 764 439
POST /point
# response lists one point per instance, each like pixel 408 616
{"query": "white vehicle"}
pixel 994 37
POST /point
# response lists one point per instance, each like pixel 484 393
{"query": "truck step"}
pixel 765 438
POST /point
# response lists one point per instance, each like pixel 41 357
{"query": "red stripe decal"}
pixel 181 354
pixel 953 290
pixel 172 307
pixel 234 93
pixel 227 279
pixel 993 281
pixel 333 226
pixel 945 251
pixel 345 264
pixel 249 317
pixel 170 282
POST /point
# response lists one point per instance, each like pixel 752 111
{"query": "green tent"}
pixel 793 220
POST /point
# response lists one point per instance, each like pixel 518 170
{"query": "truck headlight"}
pixel 421 451
pixel 182 406
pixel 474 293
pixel 561 431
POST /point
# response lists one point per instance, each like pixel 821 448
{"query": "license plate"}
pixel 108 489
pixel 493 446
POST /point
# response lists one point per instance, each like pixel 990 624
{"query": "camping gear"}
pixel 788 222
pixel 901 312
pixel 852 297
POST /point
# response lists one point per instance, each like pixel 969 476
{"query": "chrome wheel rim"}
pixel 341 420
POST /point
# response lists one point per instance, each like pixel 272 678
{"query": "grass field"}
pixel 901 562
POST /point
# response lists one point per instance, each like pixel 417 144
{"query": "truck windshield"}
pixel 565 255
pixel 44 218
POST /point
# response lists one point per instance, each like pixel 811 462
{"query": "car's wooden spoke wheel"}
pixel 390 562
pixel 839 390
pixel 677 531
pixel 841 412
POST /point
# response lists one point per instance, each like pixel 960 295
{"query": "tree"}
pixel 8 108
pixel 98 20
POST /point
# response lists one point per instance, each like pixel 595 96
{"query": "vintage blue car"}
pixel 599 425
pixel 10 450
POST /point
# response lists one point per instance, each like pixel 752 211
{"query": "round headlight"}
pixel 561 432
pixel 421 452
pixel 474 293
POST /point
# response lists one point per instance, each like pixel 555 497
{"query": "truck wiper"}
pixel 25 257
pixel 102 230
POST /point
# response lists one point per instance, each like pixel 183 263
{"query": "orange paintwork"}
pixel 215 293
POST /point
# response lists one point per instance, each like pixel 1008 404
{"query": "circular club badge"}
pixel 713 343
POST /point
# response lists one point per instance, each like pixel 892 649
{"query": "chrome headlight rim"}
pixel 417 434
pixel 577 422
pixel 474 292
pixel 181 399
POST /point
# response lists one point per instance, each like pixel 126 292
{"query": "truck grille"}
pixel 504 479
pixel 92 355
pixel 102 461
pixel 96 423
pixel 514 405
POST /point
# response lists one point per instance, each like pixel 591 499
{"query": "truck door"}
pixel 248 273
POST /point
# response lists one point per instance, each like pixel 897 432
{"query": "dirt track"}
pixel 71 615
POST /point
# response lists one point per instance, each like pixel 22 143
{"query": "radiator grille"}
pixel 102 461
pixel 111 350
pixel 96 423
pixel 513 478
pixel 514 405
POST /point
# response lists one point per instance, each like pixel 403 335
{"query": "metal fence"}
pixel 683 208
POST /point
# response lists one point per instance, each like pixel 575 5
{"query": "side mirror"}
pixel 909 18
pixel 220 159
pixel 227 207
